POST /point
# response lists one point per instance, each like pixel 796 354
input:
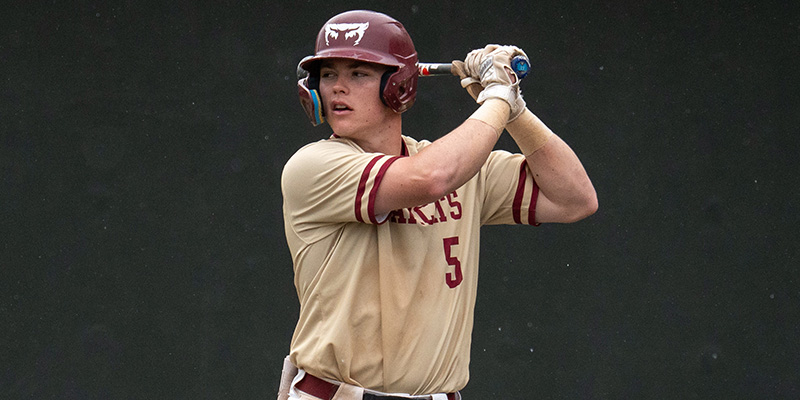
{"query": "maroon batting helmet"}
pixel 367 36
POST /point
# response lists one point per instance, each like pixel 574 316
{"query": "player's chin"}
pixel 343 117
pixel 342 126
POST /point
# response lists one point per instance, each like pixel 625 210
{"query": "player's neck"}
pixel 387 139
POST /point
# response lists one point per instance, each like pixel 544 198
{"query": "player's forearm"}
pixel 561 176
pixel 459 155
pixel 566 191
pixel 444 165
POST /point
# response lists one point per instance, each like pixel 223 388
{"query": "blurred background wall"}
pixel 142 253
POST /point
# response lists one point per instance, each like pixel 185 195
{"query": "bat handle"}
pixel 520 64
pixel 435 69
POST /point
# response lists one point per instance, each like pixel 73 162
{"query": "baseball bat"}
pixel 520 64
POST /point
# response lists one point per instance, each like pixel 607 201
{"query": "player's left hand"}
pixel 472 85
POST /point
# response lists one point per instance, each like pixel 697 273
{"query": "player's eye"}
pixel 327 74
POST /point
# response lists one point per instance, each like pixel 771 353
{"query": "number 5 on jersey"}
pixel 454 278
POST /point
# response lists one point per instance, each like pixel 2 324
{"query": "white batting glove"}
pixel 491 66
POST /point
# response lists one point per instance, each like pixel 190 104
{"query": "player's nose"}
pixel 340 84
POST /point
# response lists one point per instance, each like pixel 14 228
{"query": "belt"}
pixel 325 390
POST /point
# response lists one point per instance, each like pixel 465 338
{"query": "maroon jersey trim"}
pixel 374 192
pixel 520 194
pixel 532 209
pixel 362 188
pixel 516 208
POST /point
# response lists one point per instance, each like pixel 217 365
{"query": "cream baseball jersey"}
pixel 386 301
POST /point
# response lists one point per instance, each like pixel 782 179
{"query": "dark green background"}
pixel 142 253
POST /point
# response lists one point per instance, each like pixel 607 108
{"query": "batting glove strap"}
pixel 518 109
pixel 508 93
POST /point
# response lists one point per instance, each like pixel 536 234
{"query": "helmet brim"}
pixel 312 63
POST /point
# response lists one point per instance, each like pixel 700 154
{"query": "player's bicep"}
pixel 548 211
pixel 553 212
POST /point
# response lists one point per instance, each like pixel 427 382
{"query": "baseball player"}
pixel 383 229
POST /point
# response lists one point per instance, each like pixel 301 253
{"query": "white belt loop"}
pixel 293 392
pixel 439 396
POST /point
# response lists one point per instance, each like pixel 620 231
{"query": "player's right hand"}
pixel 491 66
pixel 489 63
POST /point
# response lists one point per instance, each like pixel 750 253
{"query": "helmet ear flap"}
pixel 308 91
pixel 398 88
pixel 384 80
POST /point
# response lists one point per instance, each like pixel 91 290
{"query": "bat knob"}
pixel 521 66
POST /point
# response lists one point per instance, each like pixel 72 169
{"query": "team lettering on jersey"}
pixel 442 210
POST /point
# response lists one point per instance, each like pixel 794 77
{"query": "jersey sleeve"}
pixel 510 191
pixel 331 182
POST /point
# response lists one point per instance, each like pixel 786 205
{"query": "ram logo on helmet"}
pixel 349 30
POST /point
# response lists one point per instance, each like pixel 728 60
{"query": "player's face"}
pixel 350 92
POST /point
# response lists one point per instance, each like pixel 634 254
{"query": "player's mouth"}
pixel 338 107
